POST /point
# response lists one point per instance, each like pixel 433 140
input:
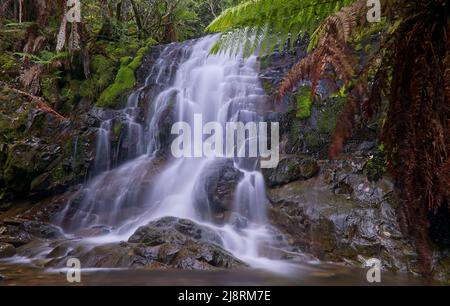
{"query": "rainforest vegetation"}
pixel 394 71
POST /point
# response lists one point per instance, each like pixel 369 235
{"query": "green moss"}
pixel 8 66
pixel 268 87
pixel 103 70
pixel 7 61
pixel 117 128
pixel 59 174
pixel 49 88
pixel 69 94
pixel 294 132
pixel 125 60
pixel 17 175
pixel 303 103
pixel 264 62
pixel 124 81
pixel 328 117
pixel 6 129
pixel 137 61
pixel 313 140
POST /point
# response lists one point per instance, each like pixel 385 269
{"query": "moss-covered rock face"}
pixel 125 80
pixel 304 102
pixel 41 154
pixel 37 157
pixel 10 36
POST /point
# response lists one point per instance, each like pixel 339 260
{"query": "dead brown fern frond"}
pixel 331 50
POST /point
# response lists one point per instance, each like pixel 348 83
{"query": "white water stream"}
pixel 221 88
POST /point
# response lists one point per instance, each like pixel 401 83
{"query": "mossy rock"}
pixel 313 140
pixel 17 177
pixel 329 115
pixel 103 70
pixel 303 103
pixel 117 128
pixel 125 80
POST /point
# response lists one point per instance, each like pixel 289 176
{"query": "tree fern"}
pixel 270 22
pixel 330 49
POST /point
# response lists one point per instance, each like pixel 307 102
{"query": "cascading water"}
pixel 221 88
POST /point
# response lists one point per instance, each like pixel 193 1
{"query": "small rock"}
pixel 7 250
pixel 367 145
pixel 309 168
pixel 42 230
pixel 289 169
pixel 238 221
pixel 19 240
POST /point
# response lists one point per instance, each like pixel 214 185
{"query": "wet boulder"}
pixel 183 244
pixel 19 232
pixel 216 190
pixel 42 230
pixel 342 227
pixel 289 169
pixel 6 250
pixel 165 243
pixel 173 230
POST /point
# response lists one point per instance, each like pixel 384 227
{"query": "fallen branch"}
pixel 40 102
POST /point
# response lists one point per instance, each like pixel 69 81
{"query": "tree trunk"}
pixel 119 11
pixel 106 30
pixel 20 11
pixel 137 16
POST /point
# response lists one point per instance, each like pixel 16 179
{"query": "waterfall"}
pixel 188 81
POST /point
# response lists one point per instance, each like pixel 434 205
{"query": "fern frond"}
pixel 282 19
pixel 331 50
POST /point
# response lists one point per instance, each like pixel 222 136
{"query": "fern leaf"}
pixel 283 19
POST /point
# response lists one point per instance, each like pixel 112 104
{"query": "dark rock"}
pixel 61 250
pixel 165 243
pixel 194 256
pixel 238 221
pixel 19 232
pixel 340 228
pixel 17 240
pixel 97 230
pixel 49 209
pixel 309 168
pixel 103 256
pixel 441 269
pixel 219 181
pixel 42 230
pixel 173 230
pixel 7 250
pixel 38 159
pixel 183 244
pixel 289 169
pixel 367 145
